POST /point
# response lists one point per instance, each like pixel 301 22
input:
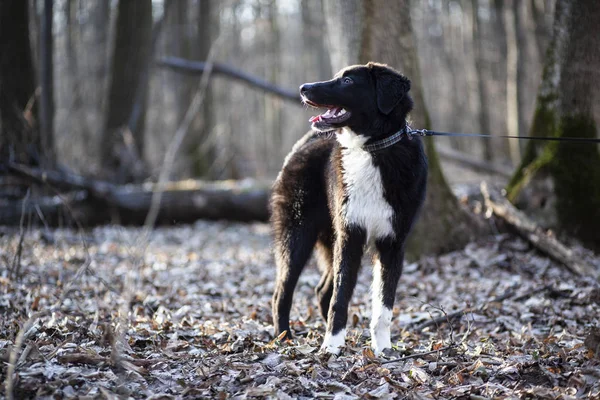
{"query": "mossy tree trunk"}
pixel 565 107
pixel 377 30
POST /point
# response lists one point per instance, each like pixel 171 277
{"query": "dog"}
pixel 356 181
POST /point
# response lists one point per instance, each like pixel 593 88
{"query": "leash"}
pixel 427 132
pixel 410 132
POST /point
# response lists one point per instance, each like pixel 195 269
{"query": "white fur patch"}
pixel 333 343
pixel 381 317
pixel 366 206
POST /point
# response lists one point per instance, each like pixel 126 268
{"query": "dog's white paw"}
pixel 379 344
pixel 380 330
pixel 333 344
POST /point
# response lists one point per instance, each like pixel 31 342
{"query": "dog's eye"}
pixel 347 80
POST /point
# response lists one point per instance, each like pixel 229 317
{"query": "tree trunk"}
pixel 47 85
pixel 576 168
pixel 512 97
pixel 485 125
pixel 130 55
pixel 541 11
pixel 200 149
pixel 19 134
pixel 364 30
pixel 527 61
pixel 178 40
pixel 273 109
pixel 313 21
pixel 565 107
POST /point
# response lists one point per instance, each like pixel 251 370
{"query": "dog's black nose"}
pixel 304 88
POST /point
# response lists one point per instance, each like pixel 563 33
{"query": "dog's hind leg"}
pixel 324 292
pixel 386 274
pixel 324 289
pixel 293 247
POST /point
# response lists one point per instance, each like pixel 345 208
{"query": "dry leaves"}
pixel 199 323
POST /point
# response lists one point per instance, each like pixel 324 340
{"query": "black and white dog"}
pixel 362 184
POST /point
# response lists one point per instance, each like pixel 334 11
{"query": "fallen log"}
pixel 531 232
pixel 99 202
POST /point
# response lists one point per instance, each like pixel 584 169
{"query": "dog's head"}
pixel 369 99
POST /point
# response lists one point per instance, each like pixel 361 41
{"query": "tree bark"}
pixel 485 125
pixel 565 107
pixel 273 105
pixel 19 135
pixel 527 61
pixel 47 84
pixel 130 55
pixel 199 149
pixel 313 21
pixel 512 97
pixel 365 30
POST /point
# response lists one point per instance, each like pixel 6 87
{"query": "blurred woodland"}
pixel 99 94
pixel 481 63
pixel 117 116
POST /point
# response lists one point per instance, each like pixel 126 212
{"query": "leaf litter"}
pixel 495 320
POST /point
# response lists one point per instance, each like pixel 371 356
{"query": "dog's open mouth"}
pixel 333 114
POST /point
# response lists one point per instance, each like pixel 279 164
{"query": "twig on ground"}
pixel 83 358
pixel 459 313
pixel 16 349
pixel 417 355
pixel 16 264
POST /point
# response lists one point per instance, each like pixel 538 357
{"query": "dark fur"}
pixel 308 194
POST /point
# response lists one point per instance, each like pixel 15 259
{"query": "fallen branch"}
pixel 197 67
pixel 530 231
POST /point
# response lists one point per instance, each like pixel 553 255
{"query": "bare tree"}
pixel 20 137
pixel 312 21
pixel 364 30
pixel 130 55
pixel 567 106
pixel 482 89
pixel 47 83
pixel 191 33
pixel 528 61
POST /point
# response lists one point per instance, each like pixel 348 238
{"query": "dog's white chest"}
pixel 365 205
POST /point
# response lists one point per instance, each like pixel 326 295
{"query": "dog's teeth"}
pixel 342 111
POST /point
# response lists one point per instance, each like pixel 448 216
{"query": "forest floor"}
pixel 105 313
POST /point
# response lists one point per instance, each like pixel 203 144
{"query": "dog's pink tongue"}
pixel 316 118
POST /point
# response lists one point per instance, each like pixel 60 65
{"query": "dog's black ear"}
pixel 390 87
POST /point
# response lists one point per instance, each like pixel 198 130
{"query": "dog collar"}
pixel 388 141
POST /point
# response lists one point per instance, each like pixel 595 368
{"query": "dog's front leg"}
pixel 386 274
pixel 348 252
